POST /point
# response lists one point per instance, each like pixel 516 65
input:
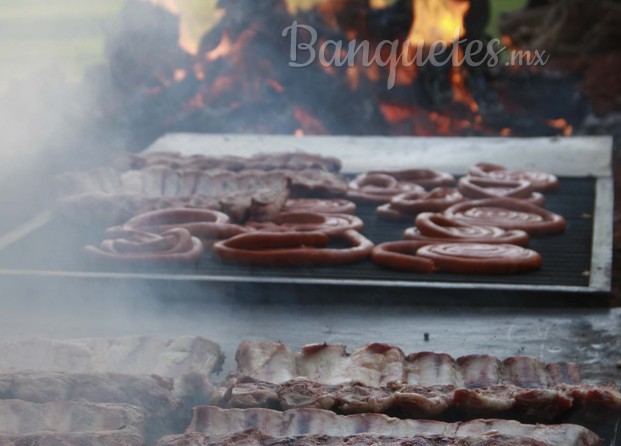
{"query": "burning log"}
pixel 255 65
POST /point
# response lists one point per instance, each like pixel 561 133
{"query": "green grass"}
pixel 65 34
pixel 497 8
pixel 51 9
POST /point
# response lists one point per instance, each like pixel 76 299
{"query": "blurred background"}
pixel 69 34
pixel 83 80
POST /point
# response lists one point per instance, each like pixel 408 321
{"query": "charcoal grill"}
pixel 577 264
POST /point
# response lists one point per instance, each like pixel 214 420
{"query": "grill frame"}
pixel 572 157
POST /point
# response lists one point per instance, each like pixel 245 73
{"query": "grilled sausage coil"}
pixel 173 246
pixel 436 200
pixel 331 224
pixel 540 181
pixel 435 228
pixel 481 258
pixel 401 256
pixel 426 178
pixel 201 223
pixel 292 249
pixel 378 188
pixel 506 213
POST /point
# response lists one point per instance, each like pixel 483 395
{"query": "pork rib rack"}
pixel 380 378
pixel 107 195
pixel 254 188
pixel 214 426
pixel 70 423
pixel 188 361
pixel 159 377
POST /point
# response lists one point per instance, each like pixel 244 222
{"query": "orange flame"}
pixel 438 20
pixel 443 21
pixel 562 125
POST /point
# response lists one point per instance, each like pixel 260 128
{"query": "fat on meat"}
pixel 213 421
pixel 151 392
pixel 267 361
pixel 380 378
pixel 19 417
pixel 254 437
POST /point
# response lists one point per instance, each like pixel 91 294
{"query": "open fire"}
pixel 412 71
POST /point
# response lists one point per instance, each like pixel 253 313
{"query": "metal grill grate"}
pixel 566 257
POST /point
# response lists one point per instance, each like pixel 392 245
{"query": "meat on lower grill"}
pixel 188 361
pixel 165 413
pixel 380 364
pixel 213 422
pixel 73 439
pixel 254 437
pixel 70 423
pixel 150 392
pixel 381 378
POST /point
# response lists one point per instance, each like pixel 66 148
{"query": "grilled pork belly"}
pixel 212 425
pixel 154 394
pixel 254 437
pixel 381 378
pixel 150 392
pixel 188 361
pixel 70 424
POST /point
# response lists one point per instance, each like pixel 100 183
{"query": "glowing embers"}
pixel 563 125
pixel 378 68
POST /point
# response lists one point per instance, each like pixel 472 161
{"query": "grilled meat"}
pixel 189 361
pixel 381 378
pixel 313 423
pixel 70 424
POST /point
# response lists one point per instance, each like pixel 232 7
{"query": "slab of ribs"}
pixel 145 391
